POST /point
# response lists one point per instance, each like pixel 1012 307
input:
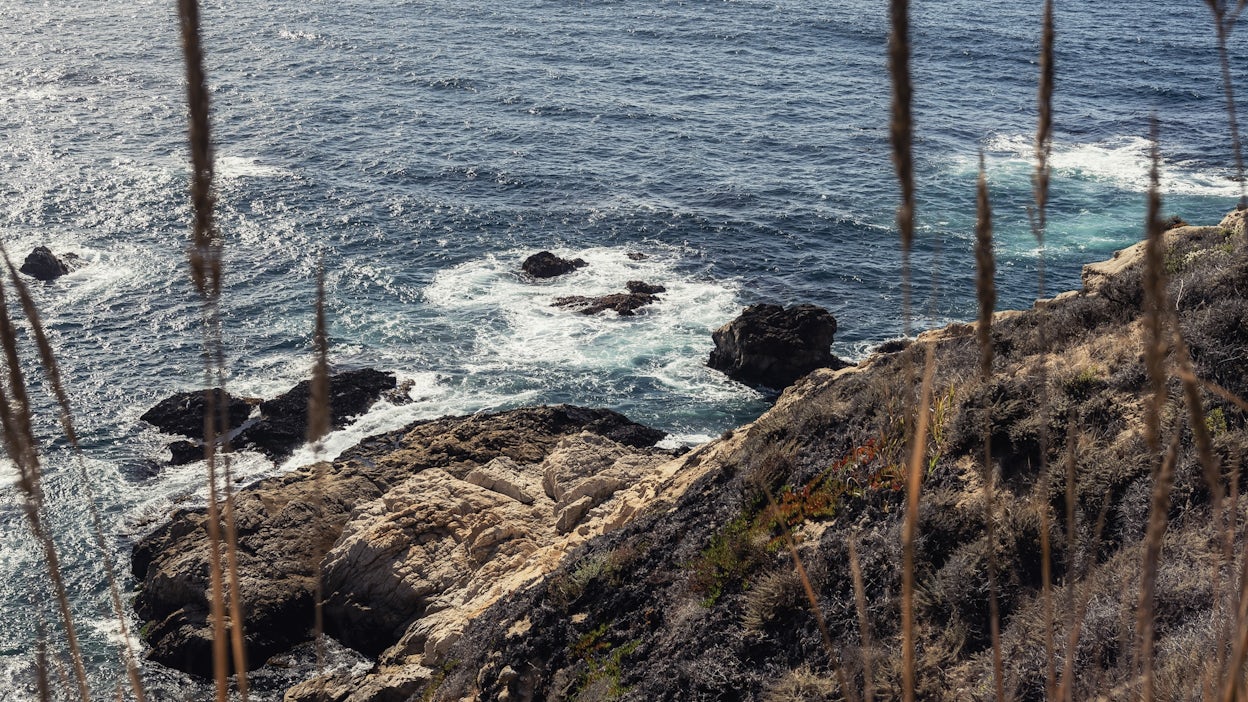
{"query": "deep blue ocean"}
pixel 425 148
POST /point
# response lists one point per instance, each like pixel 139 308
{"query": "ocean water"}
pixel 425 148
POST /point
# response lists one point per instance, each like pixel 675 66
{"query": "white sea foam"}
pixel 427 397
pixel 233 167
pixel 297 34
pixel 519 325
pixel 1124 161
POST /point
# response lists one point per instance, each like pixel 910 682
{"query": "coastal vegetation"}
pixel 1043 504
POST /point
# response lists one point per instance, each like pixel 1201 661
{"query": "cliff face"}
pixel 590 570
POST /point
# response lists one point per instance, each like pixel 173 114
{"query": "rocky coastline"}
pixel 555 553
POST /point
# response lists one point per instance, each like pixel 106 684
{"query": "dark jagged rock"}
pixel 283 423
pixel 639 295
pixel 183 452
pixel 636 256
pixel 183 413
pixel 288 524
pixel 545 264
pixel 772 347
pixel 624 304
pixel 42 264
pixel 643 288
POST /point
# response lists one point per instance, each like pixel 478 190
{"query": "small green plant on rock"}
pixel 604 665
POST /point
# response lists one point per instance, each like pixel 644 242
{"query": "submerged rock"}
pixel 771 346
pixel 42 264
pixel 639 295
pixel 545 264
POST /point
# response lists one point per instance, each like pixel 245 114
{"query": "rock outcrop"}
pixel 771 346
pixel 405 526
pixel 42 264
pixel 639 295
pixel 283 423
pixel 545 264
pixel 183 413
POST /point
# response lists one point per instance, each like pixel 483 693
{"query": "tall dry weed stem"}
pixel 910 528
pixel 22 446
pixel 1155 305
pixel 902 134
pixel 864 624
pixel 986 294
pixel 52 372
pixel 318 427
pixel 1159 510
pixel 1225 15
pixel 205 264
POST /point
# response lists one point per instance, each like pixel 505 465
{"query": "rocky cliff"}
pixel 573 565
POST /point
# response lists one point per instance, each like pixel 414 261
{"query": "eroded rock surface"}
pixel 626 304
pixel 428 521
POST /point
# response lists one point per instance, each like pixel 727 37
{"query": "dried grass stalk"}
pixel 1046 596
pixel 1224 18
pixel 318 395
pixel 902 135
pixel 20 442
pixel 986 293
pixel 318 427
pixel 1155 304
pixel 1079 602
pixel 1044 122
pixel 864 624
pixel 1072 615
pixel 910 529
pixel 52 371
pixel 206 245
pixel 205 259
pixel 1163 480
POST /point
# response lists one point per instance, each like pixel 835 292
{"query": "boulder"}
pixel 770 346
pixel 285 525
pixel 42 264
pixel 283 423
pixel 183 413
pixel 643 288
pixel 545 264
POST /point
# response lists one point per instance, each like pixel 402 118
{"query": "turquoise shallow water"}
pixel 425 148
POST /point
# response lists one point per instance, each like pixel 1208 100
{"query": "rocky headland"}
pixel 552 553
